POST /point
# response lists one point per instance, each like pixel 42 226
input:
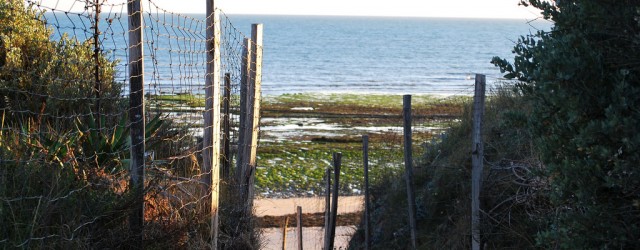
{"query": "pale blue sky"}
pixel 427 8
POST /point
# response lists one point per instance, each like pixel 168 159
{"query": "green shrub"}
pixel 45 79
pixel 63 178
pixel 51 199
pixel 52 194
pixel 513 200
pixel 583 80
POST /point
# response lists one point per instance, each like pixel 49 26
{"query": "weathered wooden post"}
pixel 477 155
pixel 211 136
pixel 226 124
pixel 327 207
pixel 337 161
pixel 284 232
pixel 250 119
pixel 299 226
pixel 256 78
pixel 408 168
pixel 97 65
pixel 365 162
pixel 244 130
pixel 136 117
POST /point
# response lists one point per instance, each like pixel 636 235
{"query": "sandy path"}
pixel 279 207
pixel 312 236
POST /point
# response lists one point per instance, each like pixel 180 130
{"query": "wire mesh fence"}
pixel 65 146
pixel 64 132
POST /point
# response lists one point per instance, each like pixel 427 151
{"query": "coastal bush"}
pixel 51 199
pixel 513 198
pixel 63 181
pixel 583 78
pixel 51 194
pixel 46 80
pixel 70 190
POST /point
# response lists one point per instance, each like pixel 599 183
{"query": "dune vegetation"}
pixel 561 146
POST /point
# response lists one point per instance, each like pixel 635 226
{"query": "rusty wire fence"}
pixel 65 144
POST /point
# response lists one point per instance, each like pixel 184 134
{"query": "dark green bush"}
pixel 582 77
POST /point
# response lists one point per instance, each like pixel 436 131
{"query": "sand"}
pixel 312 236
pixel 280 207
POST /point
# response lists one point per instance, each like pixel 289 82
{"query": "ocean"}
pixel 329 54
pixel 383 54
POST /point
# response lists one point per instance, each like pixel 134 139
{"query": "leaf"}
pixel 153 126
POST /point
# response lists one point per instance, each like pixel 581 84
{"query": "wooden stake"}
pixel 365 162
pixel 284 232
pixel 337 161
pixel 226 124
pixel 477 155
pixel 327 208
pixel 256 77
pixel 299 226
pixel 97 66
pixel 408 168
pixel 136 117
pixel 211 135
pixel 245 114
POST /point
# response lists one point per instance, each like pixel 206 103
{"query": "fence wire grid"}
pixel 64 146
pixel 64 131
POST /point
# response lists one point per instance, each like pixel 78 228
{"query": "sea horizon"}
pixel 341 53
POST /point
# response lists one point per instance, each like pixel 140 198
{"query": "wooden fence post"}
pixel 284 232
pixel 299 226
pixel 337 161
pixel 256 78
pixel 365 161
pixel 226 124
pixel 136 117
pixel 327 207
pixel 97 66
pixel 211 135
pixel 408 168
pixel 245 111
pixel 477 155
